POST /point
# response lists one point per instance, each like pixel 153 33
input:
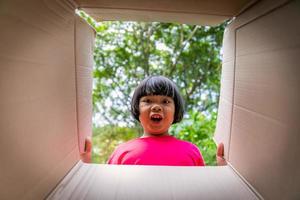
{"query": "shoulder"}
pixel 186 144
pixel 122 150
pixel 128 144
pixel 193 151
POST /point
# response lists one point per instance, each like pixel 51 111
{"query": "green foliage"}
pixel 106 139
pixel 127 52
pixel 198 129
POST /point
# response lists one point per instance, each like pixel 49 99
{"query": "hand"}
pixel 87 154
pixel 220 155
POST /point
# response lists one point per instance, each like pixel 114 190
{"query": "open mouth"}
pixel 156 118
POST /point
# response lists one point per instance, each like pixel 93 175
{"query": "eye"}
pixel 166 101
pixel 146 100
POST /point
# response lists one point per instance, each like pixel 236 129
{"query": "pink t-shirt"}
pixel 162 150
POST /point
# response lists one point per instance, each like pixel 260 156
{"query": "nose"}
pixel 156 108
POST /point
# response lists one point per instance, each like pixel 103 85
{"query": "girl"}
pixel 157 104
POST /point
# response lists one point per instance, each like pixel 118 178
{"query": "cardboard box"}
pixel 46 110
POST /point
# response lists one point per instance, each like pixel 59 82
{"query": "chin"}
pixel 157 132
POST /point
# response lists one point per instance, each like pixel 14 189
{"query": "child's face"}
pixel 156 114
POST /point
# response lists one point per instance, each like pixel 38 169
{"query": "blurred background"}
pixel 126 52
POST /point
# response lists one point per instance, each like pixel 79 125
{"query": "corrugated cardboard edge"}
pixel 65 180
pixel 188 12
pixel 84 42
pixel 250 187
pixel 57 174
pixel 111 14
pixel 92 181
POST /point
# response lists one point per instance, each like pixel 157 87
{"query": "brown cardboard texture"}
pixel 38 140
pixel 265 106
pixel 267 98
pixel 202 12
pixel 45 105
pixel 84 79
pixel 151 182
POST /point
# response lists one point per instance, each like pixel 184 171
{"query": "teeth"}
pixel 156 117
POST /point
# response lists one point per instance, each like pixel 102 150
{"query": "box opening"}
pixel 46 103
pixel 126 52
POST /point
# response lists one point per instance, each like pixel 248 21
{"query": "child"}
pixel 157 104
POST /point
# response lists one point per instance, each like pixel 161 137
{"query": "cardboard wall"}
pixel 44 103
pixel 38 123
pixel 202 12
pixel 216 7
pixel 84 44
pixel 260 95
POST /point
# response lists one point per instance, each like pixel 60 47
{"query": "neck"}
pixel 155 134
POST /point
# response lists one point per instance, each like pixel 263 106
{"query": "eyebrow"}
pixel 163 98
pixel 152 96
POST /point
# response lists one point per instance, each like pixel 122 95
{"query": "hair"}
pixel 157 85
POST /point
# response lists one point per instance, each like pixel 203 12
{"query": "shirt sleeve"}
pixel 111 158
pixel 117 157
pixel 197 156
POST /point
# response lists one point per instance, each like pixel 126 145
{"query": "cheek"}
pixel 171 113
pixel 142 113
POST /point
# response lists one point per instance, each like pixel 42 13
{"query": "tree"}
pixel 127 52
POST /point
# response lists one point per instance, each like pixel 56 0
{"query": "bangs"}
pixel 158 86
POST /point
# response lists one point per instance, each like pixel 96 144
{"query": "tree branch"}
pixel 184 43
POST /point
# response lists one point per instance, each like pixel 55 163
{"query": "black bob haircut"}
pixel 157 85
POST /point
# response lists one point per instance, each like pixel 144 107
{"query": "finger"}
pixel 85 157
pixel 221 161
pixel 220 150
pixel 88 145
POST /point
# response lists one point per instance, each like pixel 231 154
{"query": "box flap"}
pixel 260 98
pixel 38 140
pixel 94 181
pixel 181 11
pixel 84 44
